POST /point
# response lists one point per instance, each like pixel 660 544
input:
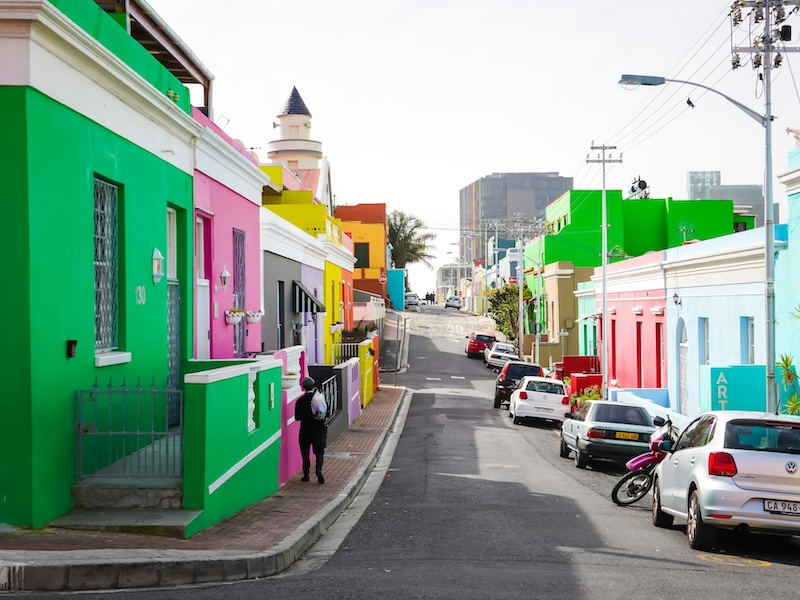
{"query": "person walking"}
pixel 313 431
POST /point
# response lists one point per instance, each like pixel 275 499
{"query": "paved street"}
pixel 465 505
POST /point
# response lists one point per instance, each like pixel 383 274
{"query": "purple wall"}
pixel 313 279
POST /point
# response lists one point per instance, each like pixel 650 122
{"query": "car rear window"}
pixel 504 348
pixel 608 412
pixel 485 338
pixel 519 370
pixel 546 387
pixel 770 436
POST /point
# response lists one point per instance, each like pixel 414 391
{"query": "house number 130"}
pixel 141 295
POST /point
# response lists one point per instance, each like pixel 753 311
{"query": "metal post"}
pixel 769 251
pixel 519 285
pixel 604 233
pixel 539 268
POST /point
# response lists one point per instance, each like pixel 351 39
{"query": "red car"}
pixel 477 342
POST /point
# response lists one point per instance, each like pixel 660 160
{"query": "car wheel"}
pixel 581 460
pixel 701 536
pixel 516 421
pixel 497 402
pixel 563 449
pixel 660 518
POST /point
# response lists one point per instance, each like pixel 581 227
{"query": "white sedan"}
pixel 538 398
pixel 498 354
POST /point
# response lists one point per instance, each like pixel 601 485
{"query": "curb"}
pixel 125 573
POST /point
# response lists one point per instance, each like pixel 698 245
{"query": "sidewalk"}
pixel 262 540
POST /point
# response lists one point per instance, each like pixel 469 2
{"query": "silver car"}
pixel 498 354
pixel 731 470
pixel 604 429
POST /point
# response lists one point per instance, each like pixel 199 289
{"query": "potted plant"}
pixel 254 316
pixel 290 378
pixel 234 315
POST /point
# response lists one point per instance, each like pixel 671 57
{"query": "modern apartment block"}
pixel 488 205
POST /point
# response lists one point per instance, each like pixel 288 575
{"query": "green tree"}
pixel 504 305
pixel 410 244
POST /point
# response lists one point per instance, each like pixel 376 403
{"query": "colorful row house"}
pixel 158 373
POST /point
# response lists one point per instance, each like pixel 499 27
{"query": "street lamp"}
pixel 633 81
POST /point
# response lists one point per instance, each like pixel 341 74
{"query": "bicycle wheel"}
pixel 632 487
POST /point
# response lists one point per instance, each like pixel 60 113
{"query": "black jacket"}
pixel 309 425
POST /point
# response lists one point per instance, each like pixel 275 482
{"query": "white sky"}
pixel 414 99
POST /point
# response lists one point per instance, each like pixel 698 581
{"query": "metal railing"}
pixel 330 389
pixel 344 352
pixel 125 431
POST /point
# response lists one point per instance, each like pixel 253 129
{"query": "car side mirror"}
pixel 659 421
pixel 665 446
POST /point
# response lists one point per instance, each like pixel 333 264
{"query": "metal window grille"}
pixel 330 389
pixel 344 352
pixel 106 292
pixel 239 289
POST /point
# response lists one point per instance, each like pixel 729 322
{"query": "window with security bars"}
pixel 239 286
pixel 106 267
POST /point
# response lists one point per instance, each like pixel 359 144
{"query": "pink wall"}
pixel 230 211
pixel 638 357
pixel 290 462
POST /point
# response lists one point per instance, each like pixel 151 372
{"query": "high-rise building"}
pixel 487 206
pixel 747 199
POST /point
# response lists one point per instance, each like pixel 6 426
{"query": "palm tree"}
pixel 409 243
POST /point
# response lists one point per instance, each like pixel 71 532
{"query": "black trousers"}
pixel 317 443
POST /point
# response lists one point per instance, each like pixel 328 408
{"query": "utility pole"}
pixel 763 50
pixel 603 159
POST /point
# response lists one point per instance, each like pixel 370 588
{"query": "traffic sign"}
pixel 382 279
pixel 459 293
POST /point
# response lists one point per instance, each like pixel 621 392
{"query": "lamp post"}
pixel 632 81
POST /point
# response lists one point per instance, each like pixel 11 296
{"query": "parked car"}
pixel 604 429
pixel 477 342
pixel 509 377
pixel 498 354
pixel 731 470
pixel 452 302
pixel 412 299
pixel 538 398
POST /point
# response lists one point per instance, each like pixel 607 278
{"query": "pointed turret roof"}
pixel 294 105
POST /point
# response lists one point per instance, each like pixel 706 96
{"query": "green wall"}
pixel 216 438
pixel 15 304
pixel 51 238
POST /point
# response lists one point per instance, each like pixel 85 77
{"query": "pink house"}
pixel 227 257
pixel 636 321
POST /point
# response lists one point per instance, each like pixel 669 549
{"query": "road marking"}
pixel 733 561
pixel 456 377
pixel 433 379
pixel 422 358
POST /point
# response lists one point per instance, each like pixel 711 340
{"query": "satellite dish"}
pixel 275 125
pixel 254 155
pixel 239 143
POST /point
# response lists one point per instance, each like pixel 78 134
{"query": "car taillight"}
pixel 565 400
pixel 523 395
pixel 596 433
pixel 722 464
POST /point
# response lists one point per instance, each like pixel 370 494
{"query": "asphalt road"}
pixel 472 507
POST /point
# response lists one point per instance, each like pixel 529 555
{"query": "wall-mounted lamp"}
pixel 224 277
pixel 676 299
pixel 158 266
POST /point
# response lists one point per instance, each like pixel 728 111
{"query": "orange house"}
pixel 366 226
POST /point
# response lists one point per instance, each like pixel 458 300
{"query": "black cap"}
pixel 309 383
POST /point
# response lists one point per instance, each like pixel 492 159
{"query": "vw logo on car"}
pixel 791 467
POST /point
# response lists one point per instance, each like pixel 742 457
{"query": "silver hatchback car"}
pixel 731 470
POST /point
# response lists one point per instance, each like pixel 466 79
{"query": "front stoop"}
pixel 146 505
pixel 150 521
pixel 126 492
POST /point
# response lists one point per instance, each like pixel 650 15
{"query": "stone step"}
pixel 128 493
pixel 169 523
